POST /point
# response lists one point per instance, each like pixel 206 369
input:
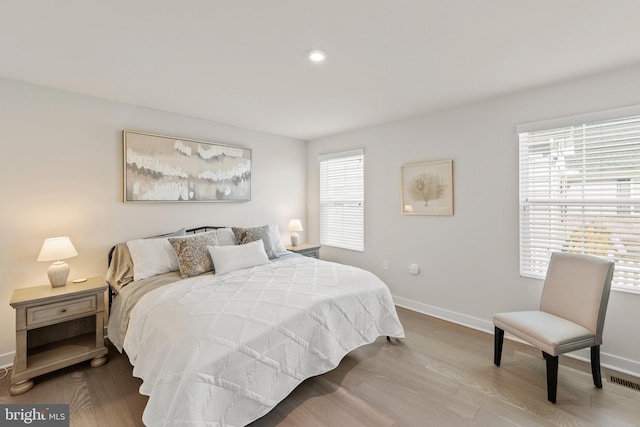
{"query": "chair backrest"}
pixel 577 289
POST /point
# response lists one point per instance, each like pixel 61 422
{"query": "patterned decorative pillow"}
pixel 193 255
pixel 251 234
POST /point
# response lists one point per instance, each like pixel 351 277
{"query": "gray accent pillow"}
pixel 193 255
pixel 251 234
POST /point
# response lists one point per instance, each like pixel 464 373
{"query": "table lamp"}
pixel 294 226
pixel 56 249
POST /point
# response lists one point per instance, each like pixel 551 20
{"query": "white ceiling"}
pixel 242 62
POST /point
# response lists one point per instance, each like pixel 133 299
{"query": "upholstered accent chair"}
pixel 571 316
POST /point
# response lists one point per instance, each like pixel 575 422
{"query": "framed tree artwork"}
pixel 427 188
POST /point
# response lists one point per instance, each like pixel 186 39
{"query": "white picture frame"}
pixel 427 188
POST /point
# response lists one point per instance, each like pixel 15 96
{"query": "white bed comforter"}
pixel 224 350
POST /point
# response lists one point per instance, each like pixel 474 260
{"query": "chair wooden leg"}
pixel 595 366
pixel 552 376
pixel 497 346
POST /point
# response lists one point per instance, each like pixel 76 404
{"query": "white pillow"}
pixel 276 240
pixel 226 237
pixel 230 258
pixel 151 257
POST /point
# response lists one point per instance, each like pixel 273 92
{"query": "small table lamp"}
pixel 294 226
pixel 55 249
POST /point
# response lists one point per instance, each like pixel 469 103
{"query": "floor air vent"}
pixel 625 383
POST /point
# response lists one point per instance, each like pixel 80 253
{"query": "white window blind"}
pixel 342 200
pixel 580 192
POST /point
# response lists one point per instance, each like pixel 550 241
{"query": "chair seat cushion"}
pixel 551 334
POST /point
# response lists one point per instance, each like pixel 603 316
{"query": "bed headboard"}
pixel 201 229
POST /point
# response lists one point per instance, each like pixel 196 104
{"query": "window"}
pixel 342 200
pixel 580 192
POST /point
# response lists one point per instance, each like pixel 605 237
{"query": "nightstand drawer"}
pixel 305 249
pixel 60 310
pixel 313 253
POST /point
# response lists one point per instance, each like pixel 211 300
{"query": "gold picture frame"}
pixel 427 188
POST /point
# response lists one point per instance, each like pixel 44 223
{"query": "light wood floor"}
pixel 440 375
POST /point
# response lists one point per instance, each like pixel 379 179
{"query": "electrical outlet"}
pixel 385 264
pixel 414 269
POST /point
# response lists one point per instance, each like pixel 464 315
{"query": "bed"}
pixel 223 347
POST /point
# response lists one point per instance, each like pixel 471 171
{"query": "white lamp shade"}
pixel 295 225
pixel 57 248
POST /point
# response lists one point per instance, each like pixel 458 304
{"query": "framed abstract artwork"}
pixel 161 168
pixel 427 188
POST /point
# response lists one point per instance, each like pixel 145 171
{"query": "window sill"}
pixel 627 289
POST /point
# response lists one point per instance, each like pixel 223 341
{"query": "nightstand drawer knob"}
pixel 64 310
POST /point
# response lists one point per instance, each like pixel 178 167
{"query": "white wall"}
pixel 61 174
pixel 469 261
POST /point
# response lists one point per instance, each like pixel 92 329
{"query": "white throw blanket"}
pixel 223 350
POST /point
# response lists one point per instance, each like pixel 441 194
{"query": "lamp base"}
pixel 58 273
pixel 294 239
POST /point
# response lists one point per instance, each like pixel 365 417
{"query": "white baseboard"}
pixel 450 316
pixel 610 361
pixel 620 364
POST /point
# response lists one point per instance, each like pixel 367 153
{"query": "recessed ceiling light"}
pixel 317 55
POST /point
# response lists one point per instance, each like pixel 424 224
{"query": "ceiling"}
pixel 242 62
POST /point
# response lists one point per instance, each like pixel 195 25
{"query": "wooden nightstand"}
pixel 312 251
pixel 57 327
